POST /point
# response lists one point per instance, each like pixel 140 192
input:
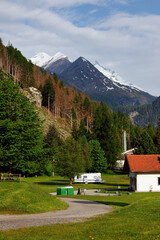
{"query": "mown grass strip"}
pixel 25 197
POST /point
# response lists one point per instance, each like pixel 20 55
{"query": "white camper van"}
pixel 88 178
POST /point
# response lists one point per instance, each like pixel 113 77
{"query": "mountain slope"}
pixel 28 75
pixel 114 76
pixel 82 75
pixel 57 66
pixel 142 115
pixel 98 82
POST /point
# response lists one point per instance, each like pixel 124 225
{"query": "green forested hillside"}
pixel 24 148
pixel 96 132
pixel 142 115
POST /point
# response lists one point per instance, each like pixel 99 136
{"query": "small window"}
pixel 158 180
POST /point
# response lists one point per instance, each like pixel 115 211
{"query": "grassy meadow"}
pixel 25 197
pixel 135 216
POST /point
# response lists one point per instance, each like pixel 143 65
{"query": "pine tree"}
pixel 86 104
pixel 99 162
pixel 158 137
pixel 21 137
pixel 48 94
pixel 85 153
pixel 73 114
pixel 55 78
pixel 145 144
pixel 151 131
pixel 105 131
pixel 82 129
pixel 52 138
pixel 75 131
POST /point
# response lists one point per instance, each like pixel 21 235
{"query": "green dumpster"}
pixel 61 191
pixel 70 190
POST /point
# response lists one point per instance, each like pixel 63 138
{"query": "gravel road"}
pixel 77 211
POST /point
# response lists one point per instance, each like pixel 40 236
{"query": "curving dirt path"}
pixel 77 211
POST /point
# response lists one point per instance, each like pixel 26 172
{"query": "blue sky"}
pixel 123 35
pixel 89 14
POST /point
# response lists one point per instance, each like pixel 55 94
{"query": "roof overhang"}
pixel 145 172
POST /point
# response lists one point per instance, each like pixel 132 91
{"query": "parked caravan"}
pixel 88 178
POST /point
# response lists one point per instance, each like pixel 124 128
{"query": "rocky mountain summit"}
pixel 98 82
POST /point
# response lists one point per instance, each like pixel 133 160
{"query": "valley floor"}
pixel 78 210
pixel 135 217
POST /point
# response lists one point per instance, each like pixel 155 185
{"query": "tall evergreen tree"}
pixel 73 114
pixel 75 131
pixel 105 131
pixel 99 162
pixel 158 137
pixel 86 103
pixel 48 94
pixel 52 138
pixel 145 144
pixel 55 78
pixel 82 129
pixel 21 138
pixel 151 131
pixel 85 153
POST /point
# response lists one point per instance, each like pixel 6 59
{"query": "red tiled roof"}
pixel 144 163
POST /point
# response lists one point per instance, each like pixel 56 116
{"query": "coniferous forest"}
pixel 95 142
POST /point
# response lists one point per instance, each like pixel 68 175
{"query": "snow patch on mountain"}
pixel 40 59
pixel 55 58
pixel 44 60
pixel 112 75
pixel 83 59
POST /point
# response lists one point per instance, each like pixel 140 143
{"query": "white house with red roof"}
pixel 144 172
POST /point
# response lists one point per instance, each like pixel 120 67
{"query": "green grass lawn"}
pixel 50 184
pixel 135 216
pixel 25 197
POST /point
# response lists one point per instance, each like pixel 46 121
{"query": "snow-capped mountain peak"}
pixel 58 56
pixel 112 75
pixel 40 59
pixel 56 63
pixel 100 83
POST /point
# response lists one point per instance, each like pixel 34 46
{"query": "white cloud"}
pixel 93 11
pixel 62 3
pixel 123 2
pixel 127 43
pixel 55 3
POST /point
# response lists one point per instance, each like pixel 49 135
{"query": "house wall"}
pixel 148 182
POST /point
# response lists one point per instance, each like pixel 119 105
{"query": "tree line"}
pixel 24 149
pixel 145 113
pixel 101 147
